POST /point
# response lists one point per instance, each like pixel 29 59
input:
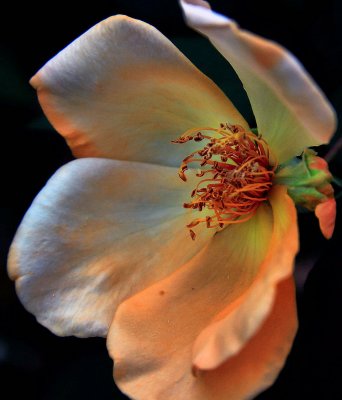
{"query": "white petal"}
pixel 291 111
pixel 98 232
pixel 124 91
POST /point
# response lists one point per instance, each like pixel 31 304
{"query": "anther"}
pixel 240 169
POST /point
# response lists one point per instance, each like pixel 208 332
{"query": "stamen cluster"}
pixel 237 170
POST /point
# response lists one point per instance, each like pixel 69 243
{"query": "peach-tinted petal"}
pixel 98 232
pixel 153 333
pixel 232 328
pixel 326 214
pixel 291 111
pixel 124 91
pixel 258 364
pixel 162 375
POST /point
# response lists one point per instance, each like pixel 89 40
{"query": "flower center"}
pixel 237 170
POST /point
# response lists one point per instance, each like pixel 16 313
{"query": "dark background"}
pixel 36 364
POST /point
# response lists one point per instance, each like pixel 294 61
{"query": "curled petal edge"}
pixel 226 336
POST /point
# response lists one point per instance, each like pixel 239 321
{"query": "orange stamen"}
pixel 242 169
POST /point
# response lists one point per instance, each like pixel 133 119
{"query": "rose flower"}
pixel 174 233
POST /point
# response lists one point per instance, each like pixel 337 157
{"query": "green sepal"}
pixel 307 178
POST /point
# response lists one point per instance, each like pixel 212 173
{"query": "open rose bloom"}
pixel 174 233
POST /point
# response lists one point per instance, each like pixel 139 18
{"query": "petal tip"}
pixel 198 13
pixel 34 81
pixel 326 214
pixel 200 3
